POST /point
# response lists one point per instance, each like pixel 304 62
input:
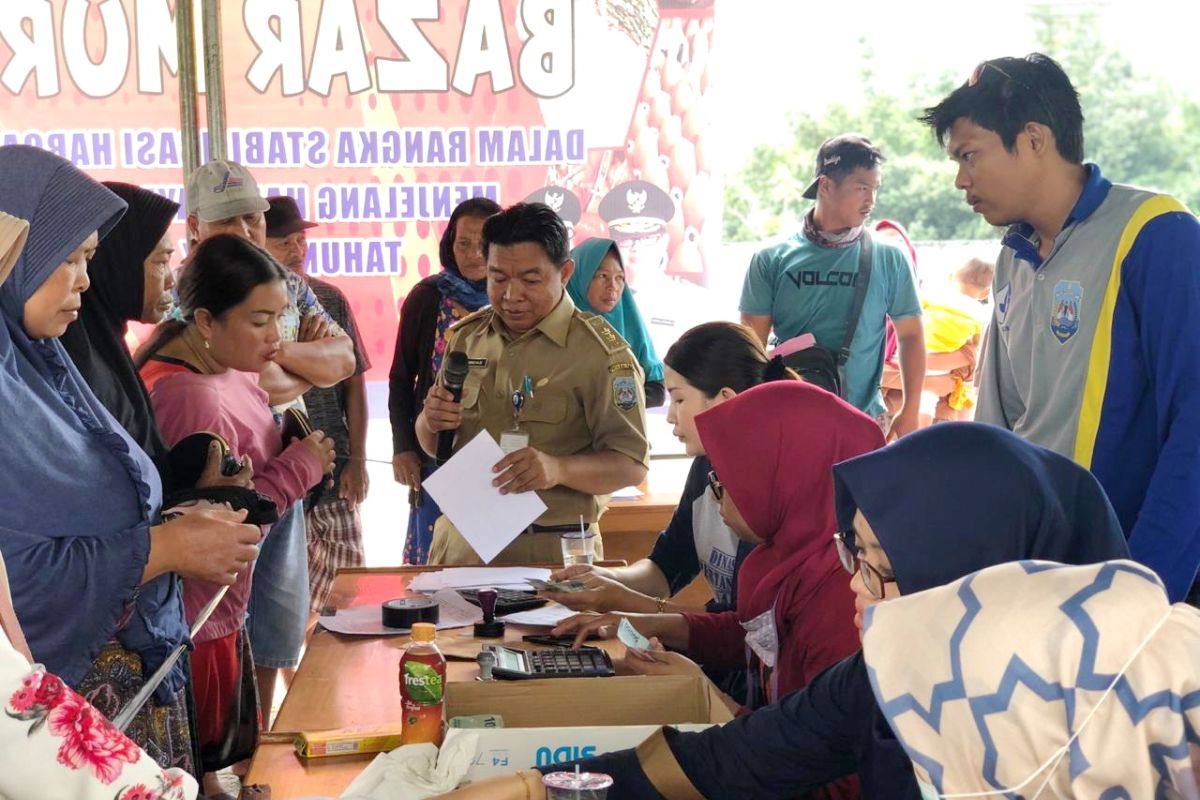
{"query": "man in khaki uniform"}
pixel 582 407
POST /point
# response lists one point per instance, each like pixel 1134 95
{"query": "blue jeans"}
pixel 279 594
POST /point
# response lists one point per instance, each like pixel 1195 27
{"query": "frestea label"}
pixel 422 683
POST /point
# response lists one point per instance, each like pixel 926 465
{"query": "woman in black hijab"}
pixel 131 281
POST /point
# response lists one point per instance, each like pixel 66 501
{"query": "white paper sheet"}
pixel 463 489
pixel 453 612
pixel 477 578
pixel 628 493
pixel 547 616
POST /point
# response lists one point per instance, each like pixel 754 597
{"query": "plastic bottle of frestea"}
pixel 422 687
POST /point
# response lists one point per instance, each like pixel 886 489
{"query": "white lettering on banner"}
pixel 548 58
pixel 354 257
pixel 395 202
pixel 89 149
pixel 483 49
pixel 339 49
pixel 145 148
pixel 144 30
pixel 31 53
pixel 283 53
pixel 106 77
pixel 422 69
pixel 528 145
pixel 155 30
pixel 274 147
pixel 358 147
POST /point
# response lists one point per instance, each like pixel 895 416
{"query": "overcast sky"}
pixel 779 55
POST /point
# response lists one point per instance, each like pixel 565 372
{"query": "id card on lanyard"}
pixel 517 439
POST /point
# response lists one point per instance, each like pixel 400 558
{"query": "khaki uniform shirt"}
pixel 588 395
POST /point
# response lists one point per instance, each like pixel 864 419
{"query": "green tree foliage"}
pixel 1137 127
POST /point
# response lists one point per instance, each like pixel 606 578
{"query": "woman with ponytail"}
pixel 772 450
pixel 707 365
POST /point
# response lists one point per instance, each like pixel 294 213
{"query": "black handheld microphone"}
pixel 453 374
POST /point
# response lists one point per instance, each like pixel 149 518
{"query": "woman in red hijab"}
pixel 772 448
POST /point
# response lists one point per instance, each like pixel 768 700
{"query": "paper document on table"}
pixel 462 488
pixel 453 612
pixel 628 493
pixel 546 616
pixel 478 578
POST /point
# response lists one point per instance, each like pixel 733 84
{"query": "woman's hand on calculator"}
pixel 590 623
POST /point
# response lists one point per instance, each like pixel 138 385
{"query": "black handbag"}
pixel 821 366
pixel 185 464
pixel 297 426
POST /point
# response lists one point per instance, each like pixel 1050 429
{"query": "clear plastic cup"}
pixel 578 547
pixel 576 785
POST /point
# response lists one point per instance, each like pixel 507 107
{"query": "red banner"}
pixel 380 117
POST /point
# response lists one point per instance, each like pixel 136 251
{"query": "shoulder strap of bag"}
pixel 860 297
pixel 663 771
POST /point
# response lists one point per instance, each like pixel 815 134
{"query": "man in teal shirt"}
pixel 806 284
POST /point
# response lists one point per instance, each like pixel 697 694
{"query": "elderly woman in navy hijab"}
pixel 90 561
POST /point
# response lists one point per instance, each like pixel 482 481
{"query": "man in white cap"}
pixel 223 197
pixel 332 518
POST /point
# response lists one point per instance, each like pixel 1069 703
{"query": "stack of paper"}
pixel 478 578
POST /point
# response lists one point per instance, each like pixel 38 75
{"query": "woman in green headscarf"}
pixel 598 286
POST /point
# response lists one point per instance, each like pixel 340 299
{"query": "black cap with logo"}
pixel 845 153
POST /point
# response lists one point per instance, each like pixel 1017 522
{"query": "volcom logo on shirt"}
pixel 810 277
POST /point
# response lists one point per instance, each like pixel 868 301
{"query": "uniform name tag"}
pixel 511 441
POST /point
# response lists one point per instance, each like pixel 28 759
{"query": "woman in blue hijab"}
pixel 90 565
pixel 939 504
pixel 598 286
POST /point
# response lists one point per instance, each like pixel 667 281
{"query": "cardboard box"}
pixel 555 721
pixel 572 702
pixel 504 751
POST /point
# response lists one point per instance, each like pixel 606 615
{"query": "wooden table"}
pixel 347 681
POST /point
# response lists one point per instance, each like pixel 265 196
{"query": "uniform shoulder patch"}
pixel 484 314
pixel 607 335
pixel 625 393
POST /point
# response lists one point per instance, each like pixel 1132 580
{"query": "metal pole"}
pixel 189 125
pixel 214 77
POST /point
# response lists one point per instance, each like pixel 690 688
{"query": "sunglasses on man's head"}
pixel 983 66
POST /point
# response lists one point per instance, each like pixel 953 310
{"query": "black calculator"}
pixel 508 601
pixel 554 662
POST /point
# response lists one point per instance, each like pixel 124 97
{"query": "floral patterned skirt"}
pixel 162 731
